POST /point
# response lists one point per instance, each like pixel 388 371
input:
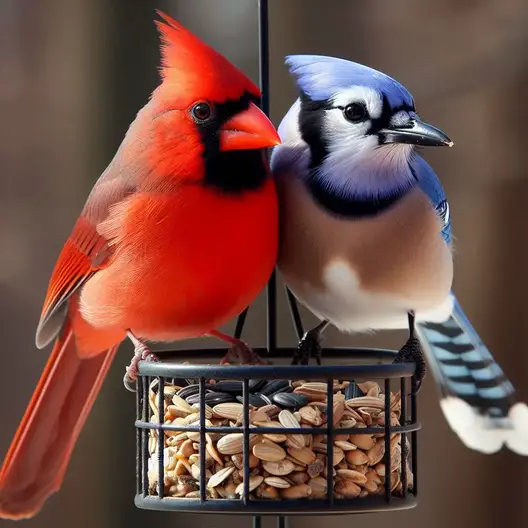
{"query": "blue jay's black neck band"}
pixel 311 116
pixel 346 207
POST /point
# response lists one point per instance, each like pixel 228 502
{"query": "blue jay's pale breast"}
pixel 365 273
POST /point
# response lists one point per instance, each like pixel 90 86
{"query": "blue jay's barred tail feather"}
pixel 477 398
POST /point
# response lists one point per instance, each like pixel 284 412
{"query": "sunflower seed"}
pixel 256 385
pixel 269 452
pixel 195 398
pixel 219 477
pixel 231 444
pixel 350 474
pixel 275 386
pixel 289 401
pixel 182 404
pixel 363 441
pixel 300 491
pixel 255 399
pixel 280 468
pixel 318 486
pixel 231 410
pixel 188 391
pixel 303 455
pixel 254 482
pixel 347 488
pixel 231 387
pixel 277 482
pixel 214 398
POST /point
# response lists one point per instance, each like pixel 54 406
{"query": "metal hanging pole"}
pixel 263 21
pixel 271 291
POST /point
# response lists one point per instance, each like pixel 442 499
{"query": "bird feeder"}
pixel 254 440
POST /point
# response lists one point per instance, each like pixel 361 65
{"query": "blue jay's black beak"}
pixel 416 133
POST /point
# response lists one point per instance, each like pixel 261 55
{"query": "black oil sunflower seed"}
pixel 256 385
pixel 231 387
pixel 188 391
pixel 257 400
pixel 265 398
pixel 195 398
pixel 275 386
pixel 353 391
pixel 214 398
pixel 290 401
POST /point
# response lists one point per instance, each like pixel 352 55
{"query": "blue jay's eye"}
pixel 355 112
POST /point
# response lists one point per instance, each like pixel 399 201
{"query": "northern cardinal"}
pixel 178 236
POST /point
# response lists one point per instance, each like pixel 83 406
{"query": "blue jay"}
pixel 366 237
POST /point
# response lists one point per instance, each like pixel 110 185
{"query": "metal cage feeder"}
pixel 346 373
pixel 166 372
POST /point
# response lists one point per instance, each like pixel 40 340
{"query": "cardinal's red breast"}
pixel 189 261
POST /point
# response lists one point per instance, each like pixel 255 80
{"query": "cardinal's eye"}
pixel 201 112
pixel 355 112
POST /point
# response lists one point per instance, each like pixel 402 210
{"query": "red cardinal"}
pixel 178 235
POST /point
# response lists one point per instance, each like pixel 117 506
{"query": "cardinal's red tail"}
pixel 39 454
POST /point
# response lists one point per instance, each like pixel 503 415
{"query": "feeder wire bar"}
pixel 330 442
pixel 388 473
pixel 139 433
pixel 203 440
pixel 279 430
pixel 246 446
pixel 414 436
pixel 161 437
pixel 144 435
pixel 403 419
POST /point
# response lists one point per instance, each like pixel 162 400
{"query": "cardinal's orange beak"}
pixel 250 129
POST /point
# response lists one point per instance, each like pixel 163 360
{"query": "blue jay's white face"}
pixel 349 131
pixel 357 153
pixel 356 118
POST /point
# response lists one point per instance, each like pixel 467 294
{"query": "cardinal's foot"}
pixel 141 353
pixel 412 352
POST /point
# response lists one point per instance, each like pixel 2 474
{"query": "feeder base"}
pixel 317 507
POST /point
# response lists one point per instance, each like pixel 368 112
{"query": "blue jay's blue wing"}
pixel 431 186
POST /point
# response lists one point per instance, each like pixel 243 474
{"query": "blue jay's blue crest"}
pixel 321 77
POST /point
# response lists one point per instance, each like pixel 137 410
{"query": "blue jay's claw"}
pixel 412 352
pixel 310 346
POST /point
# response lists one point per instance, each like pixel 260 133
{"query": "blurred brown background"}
pixel 73 73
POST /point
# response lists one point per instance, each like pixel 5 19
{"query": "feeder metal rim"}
pixel 271 507
pixel 359 353
pixel 267 372
pixel 409 428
